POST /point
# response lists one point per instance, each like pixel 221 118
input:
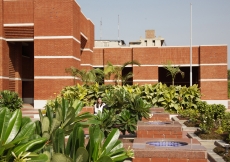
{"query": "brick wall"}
pixel 213 72
pixel 98 57
pixel 117 56
pixel 145 72
pixel 1 18
pixel 64 21
pixel 53 18
pixel 146 56
pixel 178 55
pixel 44 89
pixel 4 63
pixel 52 66
pixel 213 54
pixel 91 26
pixel 76 20
pixel 86 58
pixel 18 11
pixel 212 61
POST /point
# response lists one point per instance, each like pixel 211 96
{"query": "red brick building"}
pixel 209 66
pixel 39 39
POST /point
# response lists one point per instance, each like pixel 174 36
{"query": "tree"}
pixel 116 72
pixel 173 71
pixel 86 76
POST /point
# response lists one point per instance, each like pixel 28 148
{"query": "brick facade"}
pixel 211 61
pixel 40 38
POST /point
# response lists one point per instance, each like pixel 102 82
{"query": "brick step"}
pixel 29 111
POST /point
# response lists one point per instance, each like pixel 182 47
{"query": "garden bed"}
pixel 182 118
pixel 212 135
pixel 221 152
pixel 191 124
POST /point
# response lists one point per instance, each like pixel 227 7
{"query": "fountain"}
pixel 159 129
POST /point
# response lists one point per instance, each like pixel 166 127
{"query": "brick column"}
pixel 213 74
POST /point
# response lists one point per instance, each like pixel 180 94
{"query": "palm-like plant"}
pixel 17 136
pixel 86 76
pixel 116 72
pixel 173 71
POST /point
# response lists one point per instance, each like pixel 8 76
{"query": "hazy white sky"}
pixel 169 18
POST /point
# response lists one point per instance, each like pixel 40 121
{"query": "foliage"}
pixel 128 104
pixel 172 98
pixel 116 72
pixel 211 115
pixel 87 94
pixel 29 157
pixel 124 111
pixel 17 136
pixel 192 114
pixel 126 122
pixel 98 149
pixel 62 115
pixel 10 100
pixel 86 76
pixel 173 71
pixel 105 120
pixel 225 124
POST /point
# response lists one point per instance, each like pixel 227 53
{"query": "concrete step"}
pixel 29 111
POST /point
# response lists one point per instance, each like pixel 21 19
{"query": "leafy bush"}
pixel 63 115
pixel 97 149
pixel 17 136
pixel 225 124
pixel 172 98
pixel 131 102
pixel 10 100
pixel 211 115
pixel 123 112
pixel 192 114
pixel 85 93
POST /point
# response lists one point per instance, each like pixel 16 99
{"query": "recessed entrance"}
pixel 163 78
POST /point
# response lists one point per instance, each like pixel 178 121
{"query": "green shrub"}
pixel 211 115
pixel 62 115
pixel 97 149
pixel 134 101
pixel 17 136
pixel 10 99
pixel 225 124
pixel 192 114
pixel 125 110
pixel 172 98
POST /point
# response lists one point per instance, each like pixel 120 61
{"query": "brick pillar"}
pixel 15 67
pixel 18 68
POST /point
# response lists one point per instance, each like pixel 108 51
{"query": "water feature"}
pixel 167 143
pixel 157 123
